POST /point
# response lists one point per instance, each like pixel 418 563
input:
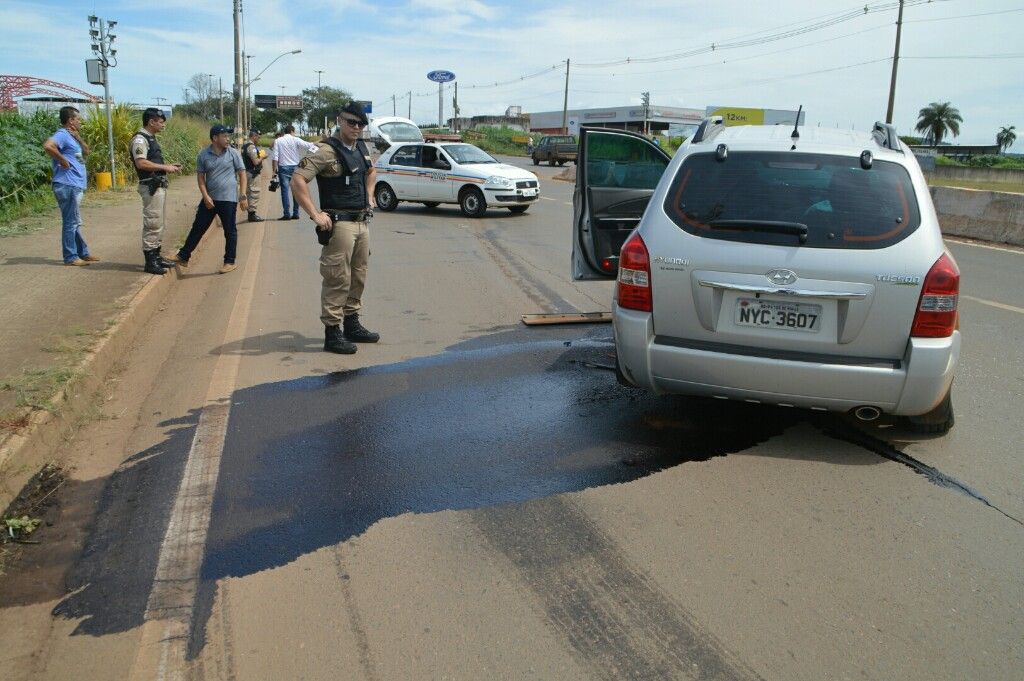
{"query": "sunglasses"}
pixel 354 122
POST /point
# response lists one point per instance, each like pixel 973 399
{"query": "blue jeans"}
pixel 69 199
pixel 225 210
pixel 284 176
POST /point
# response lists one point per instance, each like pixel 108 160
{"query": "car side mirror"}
pixel 442 165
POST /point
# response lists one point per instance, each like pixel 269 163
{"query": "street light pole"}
pixel 565 102
pixel 238 61
pixel 320 96
pixel 99 31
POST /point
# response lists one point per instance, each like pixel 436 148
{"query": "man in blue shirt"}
pixel 68 152
pixel 222 182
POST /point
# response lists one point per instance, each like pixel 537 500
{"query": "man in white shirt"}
pixel 286 153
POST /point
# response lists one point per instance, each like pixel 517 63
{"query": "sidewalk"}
pixel 51 315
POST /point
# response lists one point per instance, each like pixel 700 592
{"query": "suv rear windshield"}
pixel 562 140
pixel 770 197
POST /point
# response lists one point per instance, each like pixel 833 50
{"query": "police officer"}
pixel 345 179
pixel 152 171
pixel 253 160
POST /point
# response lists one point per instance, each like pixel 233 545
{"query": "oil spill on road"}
pixel 313 462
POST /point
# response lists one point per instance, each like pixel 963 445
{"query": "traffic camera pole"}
pixel 895 65
pixel 106 98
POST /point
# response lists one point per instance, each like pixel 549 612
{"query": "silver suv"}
pixel 801 267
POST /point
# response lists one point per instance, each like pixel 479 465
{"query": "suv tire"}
pixel 472 203
pixel 385 196
pixel 536 161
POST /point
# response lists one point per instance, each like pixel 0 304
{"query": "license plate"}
pixel 778 314
pixel 529 192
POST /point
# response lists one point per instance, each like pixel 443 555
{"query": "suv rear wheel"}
pixel 939 420
pixel 472 202
pixel 536 161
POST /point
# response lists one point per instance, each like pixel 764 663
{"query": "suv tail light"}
pixel 936 315
pixel 634 283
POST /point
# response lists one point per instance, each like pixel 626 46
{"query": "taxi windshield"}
pixel 401 132
pixel 467 153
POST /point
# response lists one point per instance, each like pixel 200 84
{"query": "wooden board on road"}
pixel 569 318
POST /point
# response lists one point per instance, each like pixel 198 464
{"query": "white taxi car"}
pixel 436 173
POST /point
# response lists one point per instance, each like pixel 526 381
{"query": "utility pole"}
pixel 565 102
pixel 455 109
pixel 160 100
pixel 646 99
pixel 220 98
pixel 394 106
pixel 895 65
pixel 238 61
pixel 246 113
pixel 410 105
pixel 99 32
pixel 320 96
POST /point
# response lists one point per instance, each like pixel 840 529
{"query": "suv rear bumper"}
pixel 911 386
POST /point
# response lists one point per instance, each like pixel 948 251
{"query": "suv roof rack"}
pixel 885 135
pixel 708 129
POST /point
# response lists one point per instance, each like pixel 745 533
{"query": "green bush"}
pixel 496 140
pixel 24 166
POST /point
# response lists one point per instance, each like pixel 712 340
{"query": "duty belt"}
pixel 350 215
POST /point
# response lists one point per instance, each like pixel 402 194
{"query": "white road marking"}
pixel 1004 249
pixel 992 303
pixel 163 647
pixel 547 198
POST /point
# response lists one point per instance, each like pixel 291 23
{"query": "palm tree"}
pixel 938 118
pixel 1006 137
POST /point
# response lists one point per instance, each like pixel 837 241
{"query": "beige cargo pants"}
pixel 252 191
pixel 152 217
pixel 343 265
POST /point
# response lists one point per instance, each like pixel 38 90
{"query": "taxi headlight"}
pixel 501 182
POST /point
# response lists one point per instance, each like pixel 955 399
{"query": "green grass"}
pixel 34 212
pixel 497 140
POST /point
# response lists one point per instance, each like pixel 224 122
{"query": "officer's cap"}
pixel 356 109
pixel 253 131
pixel 218 129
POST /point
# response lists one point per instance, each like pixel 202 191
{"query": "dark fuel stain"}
pixel 313 462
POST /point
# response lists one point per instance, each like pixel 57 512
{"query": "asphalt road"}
pixel 473 499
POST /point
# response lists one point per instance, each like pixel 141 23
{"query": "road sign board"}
pixel 367 106
pixel 265 101
pixel 289 102
pixel 441 76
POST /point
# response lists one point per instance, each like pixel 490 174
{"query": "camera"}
pixel 274 184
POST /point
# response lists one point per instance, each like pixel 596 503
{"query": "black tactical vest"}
pixel 249 165
pixel 155 155
pixel 348 190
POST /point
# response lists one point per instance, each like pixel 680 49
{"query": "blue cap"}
pixel 218 129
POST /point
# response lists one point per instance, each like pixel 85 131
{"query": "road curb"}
pixel 25 450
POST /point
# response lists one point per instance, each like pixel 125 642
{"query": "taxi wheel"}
pixel 386 199
pixel 518 210
pixel 472 202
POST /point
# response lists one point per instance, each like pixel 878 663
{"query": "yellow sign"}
pixel 737 116
pixel 520 139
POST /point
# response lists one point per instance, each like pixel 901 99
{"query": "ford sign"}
pixel 441 76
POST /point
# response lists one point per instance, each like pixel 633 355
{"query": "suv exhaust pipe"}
pixel 867 413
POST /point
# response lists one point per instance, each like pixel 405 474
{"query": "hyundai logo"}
pixel 781 277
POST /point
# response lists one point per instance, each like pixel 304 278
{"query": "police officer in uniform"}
pixel 345 179
pixel 152 171
pixel 251 157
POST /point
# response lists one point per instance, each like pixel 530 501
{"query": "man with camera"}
pixel 149 164
pixel 345 179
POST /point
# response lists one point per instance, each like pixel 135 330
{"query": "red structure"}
pixel 20 86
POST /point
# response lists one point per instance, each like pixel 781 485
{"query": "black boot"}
pixel 335 342
pixel 153 262
pixel 357 333
pixel 164 262
pixel 254 218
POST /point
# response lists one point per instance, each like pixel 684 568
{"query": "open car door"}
pixel 616 174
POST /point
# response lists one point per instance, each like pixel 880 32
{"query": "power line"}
pixel 962 16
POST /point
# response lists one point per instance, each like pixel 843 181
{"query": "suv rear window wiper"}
pixel 797 229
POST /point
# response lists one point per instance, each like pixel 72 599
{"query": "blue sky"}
pixel 374 49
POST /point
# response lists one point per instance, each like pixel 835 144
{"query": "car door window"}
pixel 624 162
pixel 408 155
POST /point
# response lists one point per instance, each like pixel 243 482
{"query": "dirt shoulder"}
pixel 53 314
